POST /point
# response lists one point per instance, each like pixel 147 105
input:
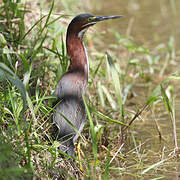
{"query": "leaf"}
pixel 7 51
pixel 4 67
pixel 157 91
pixel 107 118
pixel 166 100
pixel 134 61
pixel 142 50
pixel 2 75
pixel 154 166
pixel 8 74
pixel 116 81
pixel 92 128
pixel 20 86
pixel 109 97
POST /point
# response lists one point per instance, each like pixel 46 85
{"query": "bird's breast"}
pixel 71 84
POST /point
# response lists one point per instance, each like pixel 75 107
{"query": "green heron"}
pixel 71 110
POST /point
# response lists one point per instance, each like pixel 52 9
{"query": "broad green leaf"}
pixel 8 74
pixel 157 91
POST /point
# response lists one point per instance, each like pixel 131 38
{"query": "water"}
pixel 149 22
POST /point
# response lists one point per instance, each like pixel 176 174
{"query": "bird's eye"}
pixel 91 18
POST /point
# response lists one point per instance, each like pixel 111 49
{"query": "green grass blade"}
pixel 107 118
pixel 106 173
pixel 157 91
pixel 11 76
pixel 109 97
pixel 92 128
pixel 154 166
pixel 116 81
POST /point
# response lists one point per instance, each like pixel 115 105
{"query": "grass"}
pixel 127 103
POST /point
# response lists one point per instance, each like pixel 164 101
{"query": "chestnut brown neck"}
pixel 77 53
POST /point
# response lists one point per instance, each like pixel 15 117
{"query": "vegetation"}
pixel 136 85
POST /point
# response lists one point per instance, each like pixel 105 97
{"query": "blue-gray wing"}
pixel 73 109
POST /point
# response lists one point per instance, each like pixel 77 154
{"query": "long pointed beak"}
pixel 103 18
pixel 94 19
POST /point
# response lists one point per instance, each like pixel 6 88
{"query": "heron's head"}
pixel 82 22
